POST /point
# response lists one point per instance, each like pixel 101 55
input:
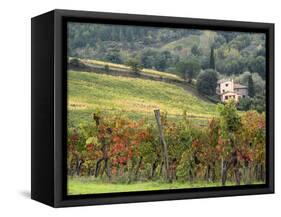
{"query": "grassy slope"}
pixel 116 66
pixel 88 186
pixel 137 97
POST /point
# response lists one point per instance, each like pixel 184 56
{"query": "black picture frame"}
pixel 49 107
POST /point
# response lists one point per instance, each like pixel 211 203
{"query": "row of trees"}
pixel 116 149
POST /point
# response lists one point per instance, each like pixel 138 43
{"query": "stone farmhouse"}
pixel 227 89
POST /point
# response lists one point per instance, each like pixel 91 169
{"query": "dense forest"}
pixel 164 48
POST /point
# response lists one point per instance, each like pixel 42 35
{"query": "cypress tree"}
pixel 212 59
pixel 251 89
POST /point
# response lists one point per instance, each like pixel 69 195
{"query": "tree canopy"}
pixel 229 53
pixel 207 82
pixel 188 69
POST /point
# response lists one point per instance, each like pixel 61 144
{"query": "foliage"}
pixel 207 82
pixel 135 65
pixel 75 63
pixel 195 50
pixel 113 56
pixel 251 88
pixel 258 82
pixel 106 68
pixel 162 48
pixel 245 104
pixel 258 103
pixel 212 59
pixel 188 69
pixel 230 120
pixel 162 60
pixel 133 152
pixel 112 134
pixel 257 65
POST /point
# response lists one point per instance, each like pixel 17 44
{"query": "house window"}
pixel 226 85
pixel 226 97
pixel 223 90
pixel 244 96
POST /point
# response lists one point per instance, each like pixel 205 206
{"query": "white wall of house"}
pixel 229 95
pixel 229 90
pixel 227 86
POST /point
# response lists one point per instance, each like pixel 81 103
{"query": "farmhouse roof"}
pixel 239 86
pixel 222 81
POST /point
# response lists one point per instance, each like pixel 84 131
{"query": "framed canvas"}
pixel 135 108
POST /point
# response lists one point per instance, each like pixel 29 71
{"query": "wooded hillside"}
pixel 164 48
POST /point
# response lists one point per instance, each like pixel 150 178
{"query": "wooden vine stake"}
pixel 163 143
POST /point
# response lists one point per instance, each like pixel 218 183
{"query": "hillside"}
pixel 143 111
pixel 102 67
pixel 98 64
pixel 135 97
pixel 163 48
pixel 185 44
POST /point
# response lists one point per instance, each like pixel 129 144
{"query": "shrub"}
pixel 76 63
pixel 207 82
pixel 106 68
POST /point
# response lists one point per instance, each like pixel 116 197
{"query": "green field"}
pixel 134 97
pixel 86 185
pixel 82 185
